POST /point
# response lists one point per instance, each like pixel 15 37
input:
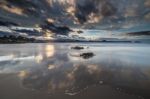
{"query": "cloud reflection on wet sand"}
pixel 53 71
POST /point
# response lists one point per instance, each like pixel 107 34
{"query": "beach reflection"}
pixel 49 50
pixel 50 68
pixel 25 58
pixel 69 81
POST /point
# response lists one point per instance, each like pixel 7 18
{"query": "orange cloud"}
pixel 13 9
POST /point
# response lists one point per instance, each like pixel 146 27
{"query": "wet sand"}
pixel 10 88
pixel 48 71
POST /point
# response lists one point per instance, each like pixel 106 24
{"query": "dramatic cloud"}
pixel 147 3
pixel 87 13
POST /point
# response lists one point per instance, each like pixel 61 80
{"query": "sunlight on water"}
pixel 50 50
pixel 39 58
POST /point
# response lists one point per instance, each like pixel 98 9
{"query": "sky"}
pixel 110 15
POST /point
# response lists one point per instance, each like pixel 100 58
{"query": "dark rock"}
pixel 77 47
pixel 79 32
pixel 87 55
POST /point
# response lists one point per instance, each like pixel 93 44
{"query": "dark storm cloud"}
pixel 109 11
pixel 84 10
pixel 50 27
pixel 88 10
pixel 72 12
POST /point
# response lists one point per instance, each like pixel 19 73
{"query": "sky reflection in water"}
pixel 52 68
